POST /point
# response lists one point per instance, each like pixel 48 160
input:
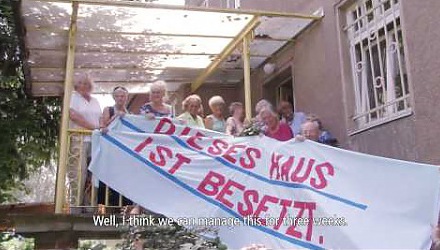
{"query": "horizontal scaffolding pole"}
pixel 118 33
pixel 170 80
pixel 220 70
pixel 80 50
pixel 188 8
pixel 103 69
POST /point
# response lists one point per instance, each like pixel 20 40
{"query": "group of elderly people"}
pixel 192 105
pixel 285 124
pixel 85 113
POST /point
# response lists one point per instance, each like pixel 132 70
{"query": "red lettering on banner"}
pixel 192 140
pixel 247 209
pixel 228 154
pixel 143 144
pixel 263 208
pixel 213 180
pixel 161 154
pixel 275 166
pixel 303 206
pixel 185 131
pixel 285 204
pixel 227 191
pixel 278 170
pixel 285 168
pixel 162 123
pixel 217 147
pixel 295 175
pixel 181 159
pixel 299 173
pixel 250 153
pixel 161 150
pixel 221 147
pixel 319 171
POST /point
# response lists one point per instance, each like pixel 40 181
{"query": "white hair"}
pixel 84 78
pixel 314 123
pixel 189 99
pixel 263 104
pixel 267 110
pixel 215 100
pixel 158 86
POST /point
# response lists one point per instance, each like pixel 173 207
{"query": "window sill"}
pixel 382 121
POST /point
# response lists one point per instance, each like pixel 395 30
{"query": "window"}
pixel 230 4
pixel 378 61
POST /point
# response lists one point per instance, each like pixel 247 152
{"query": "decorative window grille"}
pixel 378 61
pixel 230 4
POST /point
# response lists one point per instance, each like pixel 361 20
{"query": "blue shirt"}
pixel 298 119
pixel 217 124
pixel 327 138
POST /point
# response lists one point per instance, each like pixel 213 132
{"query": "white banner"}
pixel 281 194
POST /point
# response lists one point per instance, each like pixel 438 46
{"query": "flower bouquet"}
pixel 252 128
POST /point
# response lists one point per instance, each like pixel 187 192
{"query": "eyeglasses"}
pixel 120 88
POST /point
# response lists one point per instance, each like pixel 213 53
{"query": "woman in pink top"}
pixel 274 128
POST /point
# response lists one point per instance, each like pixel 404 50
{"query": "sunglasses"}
pixel 120 88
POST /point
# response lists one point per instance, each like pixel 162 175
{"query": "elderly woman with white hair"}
pixel 156 107
pixel 191 105
pixel 257 121
pixel 216 121
pixel 274 128
pixel 84 113
pixel 120 95
pixel 85 110
pixel 263 104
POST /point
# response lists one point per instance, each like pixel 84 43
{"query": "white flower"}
pixel 255 247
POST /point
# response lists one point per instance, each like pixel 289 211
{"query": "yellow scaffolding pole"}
pixel 138 4
pixel 104 33
pixel 62 164
pixel 139 53
pixel 247 77
pixel 225 53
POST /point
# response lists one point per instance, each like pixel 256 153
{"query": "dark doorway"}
pixel 280 88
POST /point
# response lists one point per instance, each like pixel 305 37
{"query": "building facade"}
pixel 369 69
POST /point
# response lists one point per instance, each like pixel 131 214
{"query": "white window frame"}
pixel 367 32
pixel 230 4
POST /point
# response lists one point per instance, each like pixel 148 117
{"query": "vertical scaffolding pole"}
pixel 62 163
pixel 247 77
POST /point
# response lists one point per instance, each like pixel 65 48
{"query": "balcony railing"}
pixel 80 195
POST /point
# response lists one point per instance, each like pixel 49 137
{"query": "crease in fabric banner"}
pixel 256 190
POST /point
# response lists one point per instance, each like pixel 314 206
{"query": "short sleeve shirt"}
pixel 90 110
pixel 190 121
pixel 295 125
pixel 284 133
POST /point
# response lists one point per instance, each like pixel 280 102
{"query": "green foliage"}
pixel 12 241
pixel 28 126
pixel 167 236
pixel 92 244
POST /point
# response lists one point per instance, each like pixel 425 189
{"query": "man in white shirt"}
pixel 84 113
